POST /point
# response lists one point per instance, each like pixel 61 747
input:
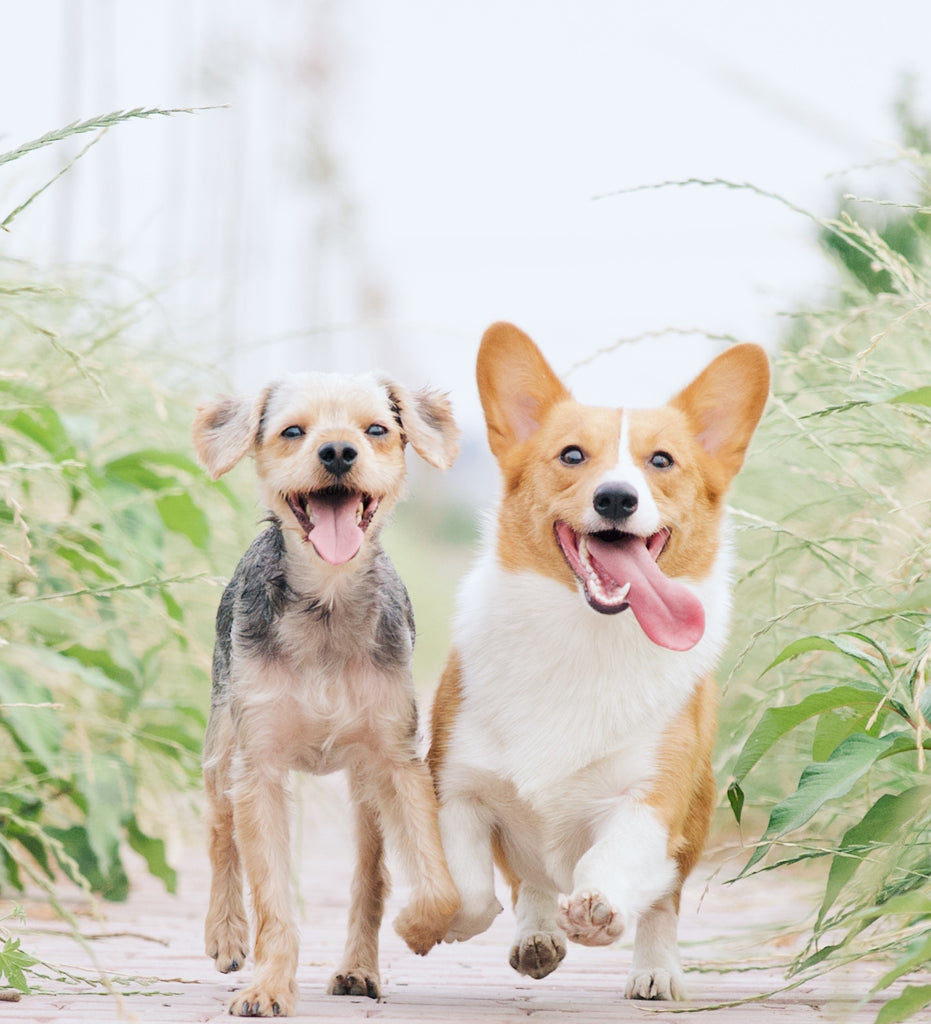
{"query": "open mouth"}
pixel 333 520
pixel 619 570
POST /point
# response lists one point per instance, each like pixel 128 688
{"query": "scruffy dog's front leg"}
pixel 409 803
pixel 226 929
pixel 358 972
pixel 260 806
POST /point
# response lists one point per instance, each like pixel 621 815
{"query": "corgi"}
pixel 573 726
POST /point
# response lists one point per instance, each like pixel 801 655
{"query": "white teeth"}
pixel 583 553
pixel 595 586
pixel 603 597
pixel 359 513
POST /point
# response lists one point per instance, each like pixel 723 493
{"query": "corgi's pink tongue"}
pixel 336 535
pixel 668 612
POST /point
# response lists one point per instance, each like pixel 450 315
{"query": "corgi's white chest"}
pixel 551 687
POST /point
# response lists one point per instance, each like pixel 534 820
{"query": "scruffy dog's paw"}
pixel 425 921
pixel 589 919
pixel 538 953
pixel 472 920
pixel 658 983
pixel 227 943
pixel 265 1001
pixel 355 981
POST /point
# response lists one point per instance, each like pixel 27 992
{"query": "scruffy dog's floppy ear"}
pixel 426 418
pixel 225 430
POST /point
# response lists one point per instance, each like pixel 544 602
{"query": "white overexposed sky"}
pixel 385 179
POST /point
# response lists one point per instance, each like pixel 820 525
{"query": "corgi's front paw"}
pixel 589 919
pixel 473 919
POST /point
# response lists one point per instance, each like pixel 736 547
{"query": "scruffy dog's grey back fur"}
pixel 376 618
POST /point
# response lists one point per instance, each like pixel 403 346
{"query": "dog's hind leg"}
pixel 226 929
pixel 260 810
pixel 358 971
pixel 409 804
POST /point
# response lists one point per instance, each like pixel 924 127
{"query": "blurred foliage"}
pixel 103 678
pixel 835 594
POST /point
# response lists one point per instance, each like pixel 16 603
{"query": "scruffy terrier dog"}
pixel 312 670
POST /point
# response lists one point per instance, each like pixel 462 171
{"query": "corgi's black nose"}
pixel 615 501
pixel 337 456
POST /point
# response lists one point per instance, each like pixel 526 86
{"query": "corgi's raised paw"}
pixel 589 919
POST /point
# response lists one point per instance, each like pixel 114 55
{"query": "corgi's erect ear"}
pixel 725 402
pixel 516 385
pixel 226 429
pixel 426 418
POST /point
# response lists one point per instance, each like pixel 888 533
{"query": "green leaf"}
pixel 919 954
pixel 37 730
pixel 776 722
pixel 913 999
pixel 832 728
pixel 821 782
pixel 153 850
pixel 735 797
pixel 135 472
pixel 175 611
pixel 888 814
pixel 105 662
pixel 13 962
pixel 181 515
pixel 107 783
pixel 44 426
pixel 917 396
pixel 837 642
pixel 112 884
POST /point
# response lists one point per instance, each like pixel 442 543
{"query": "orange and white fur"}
pixel 573 726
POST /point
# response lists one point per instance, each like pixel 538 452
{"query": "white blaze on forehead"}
pixel 645 520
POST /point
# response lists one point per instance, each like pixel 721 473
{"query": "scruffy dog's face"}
pixel 329 451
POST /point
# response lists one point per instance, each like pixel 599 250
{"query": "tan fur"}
pixel 445 708
pixel 684 793
pixel 309 680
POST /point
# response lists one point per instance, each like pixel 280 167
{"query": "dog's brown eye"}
pixel 572 456
pixel 293 431
pixel 376 430
pixel 661 460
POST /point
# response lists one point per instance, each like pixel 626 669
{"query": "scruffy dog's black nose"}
pixel 615 501
pixel 337 456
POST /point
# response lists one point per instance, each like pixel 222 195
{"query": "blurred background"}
pixel 382 181
pixel 359 184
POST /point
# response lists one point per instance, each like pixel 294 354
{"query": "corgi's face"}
pixel 621 504
pixel 329 451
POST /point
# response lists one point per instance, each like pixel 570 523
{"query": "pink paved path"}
pixel 152 946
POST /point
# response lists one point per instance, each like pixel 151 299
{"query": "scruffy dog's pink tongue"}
pixel 668 612
pixel 336 535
